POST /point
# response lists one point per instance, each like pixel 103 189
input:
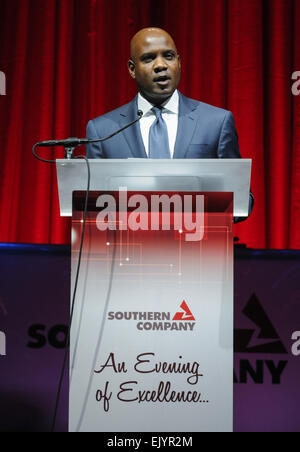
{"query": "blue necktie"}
pixel 158 137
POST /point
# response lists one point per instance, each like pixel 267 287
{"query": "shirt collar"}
pixel 171 105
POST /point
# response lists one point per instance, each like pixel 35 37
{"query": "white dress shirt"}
pixel 169 114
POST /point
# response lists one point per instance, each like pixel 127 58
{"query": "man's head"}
pixel 154 64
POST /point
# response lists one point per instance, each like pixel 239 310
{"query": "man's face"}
pixel 155 65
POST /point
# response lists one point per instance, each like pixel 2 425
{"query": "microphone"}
pixel 69 142
pixel 74 142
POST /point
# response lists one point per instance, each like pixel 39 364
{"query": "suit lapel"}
pixel 133 134
pixel 187 121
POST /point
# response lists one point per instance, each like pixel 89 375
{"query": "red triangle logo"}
pixel 186 315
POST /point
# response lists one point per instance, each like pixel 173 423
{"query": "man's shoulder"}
pixel 115 114
pixel 202 107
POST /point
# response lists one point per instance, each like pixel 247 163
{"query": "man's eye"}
pixel 147 59
pixel 169 56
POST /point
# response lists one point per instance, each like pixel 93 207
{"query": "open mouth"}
pixel 163 80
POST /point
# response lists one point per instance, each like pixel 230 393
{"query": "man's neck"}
pixel 171 103
pixel 155 101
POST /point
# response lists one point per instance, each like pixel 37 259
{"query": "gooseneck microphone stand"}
pixel 70 144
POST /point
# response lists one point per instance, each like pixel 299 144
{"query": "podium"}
pixel 151 343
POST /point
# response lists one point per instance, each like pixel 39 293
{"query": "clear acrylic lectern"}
pixel 152 335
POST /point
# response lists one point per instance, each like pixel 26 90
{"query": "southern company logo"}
pixel 266 339
pixel 261 340
pixel 183 320
pixel 185 315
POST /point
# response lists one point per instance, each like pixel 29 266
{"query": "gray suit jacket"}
pixel 204 131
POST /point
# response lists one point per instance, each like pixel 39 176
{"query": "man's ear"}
pixel 131 68
pixel 179 61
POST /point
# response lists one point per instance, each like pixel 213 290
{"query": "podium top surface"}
pixel 203 175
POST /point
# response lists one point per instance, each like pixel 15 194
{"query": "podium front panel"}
pixel 152 333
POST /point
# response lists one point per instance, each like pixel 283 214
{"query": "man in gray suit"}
pixel 172 126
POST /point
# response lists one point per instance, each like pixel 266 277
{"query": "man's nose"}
pixel 160 64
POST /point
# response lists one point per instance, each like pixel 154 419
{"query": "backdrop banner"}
pixel 267 338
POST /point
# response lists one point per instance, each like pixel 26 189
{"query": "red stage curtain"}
pixel 65 62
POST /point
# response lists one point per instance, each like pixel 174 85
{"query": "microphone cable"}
pixel 75 283
pixel 74 293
